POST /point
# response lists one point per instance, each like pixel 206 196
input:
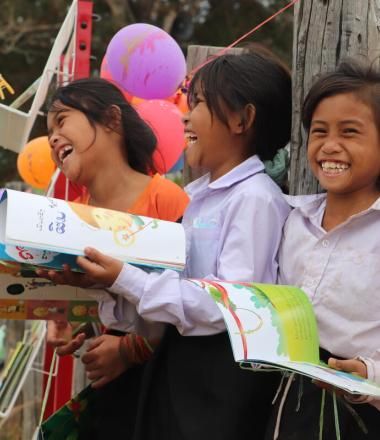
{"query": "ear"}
pixel 113 118
pixel 242 121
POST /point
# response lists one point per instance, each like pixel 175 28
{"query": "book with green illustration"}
pixel 275 325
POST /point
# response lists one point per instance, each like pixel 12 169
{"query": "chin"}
pixel 193 161
pixel 73 177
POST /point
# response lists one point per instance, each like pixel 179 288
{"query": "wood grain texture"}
pixel 326 32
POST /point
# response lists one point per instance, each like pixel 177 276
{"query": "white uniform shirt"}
pixel 233 229
pixel 340 272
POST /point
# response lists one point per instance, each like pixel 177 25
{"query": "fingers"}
pixel 95 342
pixel 58 333
pixel 99 267
pixel 91 268
pixel 51 275
pixel 71 346
pixel 99 383
pixel 96 256
pixel 89 357
pixel 42 273
pixel 349 365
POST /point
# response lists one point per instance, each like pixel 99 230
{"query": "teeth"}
pixel 64 152
pixel 191 138
pixel 334 166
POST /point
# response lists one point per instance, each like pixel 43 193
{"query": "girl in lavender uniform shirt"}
pixel 331 249
pixel 240 116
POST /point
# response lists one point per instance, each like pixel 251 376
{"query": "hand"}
pixel 99 267
pixel 59 335
pixel 349 366
pixel 353 366
pixel 102 360
pixel 67 276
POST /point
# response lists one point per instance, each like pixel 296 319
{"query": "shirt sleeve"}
pixel 373 374
pixel 250 238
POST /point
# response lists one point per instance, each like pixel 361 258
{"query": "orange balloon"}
pixel 135 101
pixel 180 100
pixel 35 164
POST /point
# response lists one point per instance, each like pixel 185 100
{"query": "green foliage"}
pixel 217 296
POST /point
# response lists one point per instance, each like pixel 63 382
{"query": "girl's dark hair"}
pixel 254 77
pixel 95 97
pixel 363 80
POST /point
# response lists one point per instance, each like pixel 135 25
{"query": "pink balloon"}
pixel 146 61
pixel 166 121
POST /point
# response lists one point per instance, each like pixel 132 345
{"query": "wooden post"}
pixel 196 56
pixel 325 32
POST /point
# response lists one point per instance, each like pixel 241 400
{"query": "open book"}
pixel 275 325
pixel 43 231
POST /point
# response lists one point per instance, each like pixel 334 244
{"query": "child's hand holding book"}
pixel 99 270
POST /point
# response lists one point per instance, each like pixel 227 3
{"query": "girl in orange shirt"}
pixel 99 141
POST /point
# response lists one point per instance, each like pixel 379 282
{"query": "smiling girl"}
pixel 240 115
pixel 99 141
pixel 331 249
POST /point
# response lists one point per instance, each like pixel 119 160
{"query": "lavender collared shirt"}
pixel 233 229
pixel 340 272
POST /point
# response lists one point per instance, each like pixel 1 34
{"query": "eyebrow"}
pixel 345 121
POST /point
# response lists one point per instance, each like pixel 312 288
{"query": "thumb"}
pixel 335 363
pixel 349 366
pixel 97 257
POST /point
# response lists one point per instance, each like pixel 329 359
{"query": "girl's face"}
pixel 210 143
pixel 344 147
pixel 74 142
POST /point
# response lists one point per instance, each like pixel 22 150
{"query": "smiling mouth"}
pixel 190 138
pixel 335 168
pixel 64 153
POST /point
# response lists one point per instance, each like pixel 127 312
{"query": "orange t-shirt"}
pixel 162 199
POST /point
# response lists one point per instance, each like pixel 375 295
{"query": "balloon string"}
pixel 256 28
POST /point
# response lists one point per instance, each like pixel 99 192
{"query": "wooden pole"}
pixel 325 32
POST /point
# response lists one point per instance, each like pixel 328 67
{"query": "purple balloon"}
pixel 146 61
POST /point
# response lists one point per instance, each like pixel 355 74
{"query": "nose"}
pixel 331 145
pixel 53 139
pixel 186 118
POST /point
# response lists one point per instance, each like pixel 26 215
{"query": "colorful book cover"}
pixel 40 230
pixel 275 325
pixel 23 295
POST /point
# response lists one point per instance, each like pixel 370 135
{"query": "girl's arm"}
pixel 250 237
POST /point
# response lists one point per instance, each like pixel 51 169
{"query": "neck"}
pixel 117 187
pixel 340 207
pixel 226 166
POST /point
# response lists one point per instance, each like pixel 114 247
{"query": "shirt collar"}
pixel 310 205
pixel 248 168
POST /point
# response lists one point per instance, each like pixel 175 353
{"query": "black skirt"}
pixel 113 408
pixel 300 419
pixel 193 389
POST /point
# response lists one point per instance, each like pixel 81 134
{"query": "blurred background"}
pixel 28 29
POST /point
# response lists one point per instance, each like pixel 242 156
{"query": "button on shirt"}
pixel 340 272
pixel 233 229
